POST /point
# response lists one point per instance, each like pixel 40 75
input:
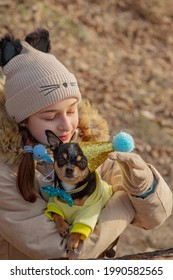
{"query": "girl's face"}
pixel 61 118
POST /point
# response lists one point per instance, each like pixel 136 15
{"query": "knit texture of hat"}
pixel 35 80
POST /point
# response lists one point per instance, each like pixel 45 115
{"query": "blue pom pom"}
pixel 123 142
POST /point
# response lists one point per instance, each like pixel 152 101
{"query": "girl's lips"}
pixel 64 137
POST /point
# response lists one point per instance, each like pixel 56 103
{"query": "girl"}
pixel 40 93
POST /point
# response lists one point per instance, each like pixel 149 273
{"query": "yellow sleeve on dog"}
pixel 52 208
pixel 83 229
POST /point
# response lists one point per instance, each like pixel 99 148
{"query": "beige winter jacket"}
pixel 26 232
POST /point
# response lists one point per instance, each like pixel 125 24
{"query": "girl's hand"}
pixel 137 177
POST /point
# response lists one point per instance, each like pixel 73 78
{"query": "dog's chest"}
pixel 67 187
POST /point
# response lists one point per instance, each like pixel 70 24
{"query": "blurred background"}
pixel 121 52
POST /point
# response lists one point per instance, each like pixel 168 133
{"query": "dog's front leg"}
pixel 72 242
pixel 62 225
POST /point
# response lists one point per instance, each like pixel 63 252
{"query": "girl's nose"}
pixel 64 123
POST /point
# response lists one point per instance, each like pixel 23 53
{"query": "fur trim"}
pixel 10 139
pixel 92 127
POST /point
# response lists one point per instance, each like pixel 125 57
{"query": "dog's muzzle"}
pixel 69 172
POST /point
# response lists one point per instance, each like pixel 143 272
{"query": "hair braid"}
pixel 26 170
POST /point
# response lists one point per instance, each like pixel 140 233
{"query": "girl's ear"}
pixel 74 136
pixel 23 124
pixel 53 140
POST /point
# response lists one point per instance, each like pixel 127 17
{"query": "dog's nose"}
pixel 69 171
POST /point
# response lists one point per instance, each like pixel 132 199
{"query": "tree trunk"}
pixel 156 255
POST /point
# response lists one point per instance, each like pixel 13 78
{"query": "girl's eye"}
pixel 71 112
pixel 51 118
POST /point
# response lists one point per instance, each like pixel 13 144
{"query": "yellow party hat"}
pixel 97 152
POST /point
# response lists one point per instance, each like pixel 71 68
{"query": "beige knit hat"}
pixel 35 80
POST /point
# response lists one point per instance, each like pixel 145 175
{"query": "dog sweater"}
pixel 82 218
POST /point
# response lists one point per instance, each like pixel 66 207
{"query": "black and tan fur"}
pixel 71 174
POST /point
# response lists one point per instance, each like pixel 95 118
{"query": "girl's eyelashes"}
pixel 48 120
pixel 52 117
pixel 71 112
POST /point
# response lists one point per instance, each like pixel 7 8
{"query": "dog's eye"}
pixel 61 161
pixel 82 164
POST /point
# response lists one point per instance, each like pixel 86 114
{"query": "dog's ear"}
pixel 53 140
pixel 74 136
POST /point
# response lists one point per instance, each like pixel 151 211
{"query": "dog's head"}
pixel 71 166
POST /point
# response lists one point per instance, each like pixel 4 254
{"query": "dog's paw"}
pixel 64 232
pixel 62 225
pixel 69 250
pixel 63 229
pixel 72 242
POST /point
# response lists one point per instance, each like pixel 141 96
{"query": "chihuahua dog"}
pixel 73 177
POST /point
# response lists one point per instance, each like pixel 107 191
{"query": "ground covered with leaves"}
pixel 121 52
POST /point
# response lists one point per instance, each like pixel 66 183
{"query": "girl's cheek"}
pixel 42 139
